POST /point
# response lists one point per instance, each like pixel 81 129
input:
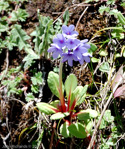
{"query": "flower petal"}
pixel 74 33
pixel 68 31
pixel 51 49
pixel 87 46
pixel 64 29
pixel 87 59
pixel 70 61
pixel 59 40
pixel 55 55
pixel 72 43
pixel 84 41
pixel 71 27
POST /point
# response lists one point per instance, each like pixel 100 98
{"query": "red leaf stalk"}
pixel 60 88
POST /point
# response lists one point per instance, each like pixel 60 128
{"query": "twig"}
pixel 81 17
pixel 52 136
pixel 4 140
pixel 2 87
pixel 17 101
pixel 75 5
pixel 61 15
pixel 122 137
pixel 72 142
pixel 7 63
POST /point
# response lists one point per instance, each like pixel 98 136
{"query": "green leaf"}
pixel 9 43
pixel 46 108
pixel 124 53
pixel 55 103
pixel 104 67
pixel 64 130
pixel 66 17
pixel 77 130
pixel 19 14
pixel 123 4
pixel 114 12
pixel 3 5
pixel 35 88
pixel 79 93
pixel 46 38
pixel 37 79
pixel 29 97
pixel 94 60
pixel 103 53
pixel 37 40
pixel 14 91
pixel 57 26
pixel 89 126
pixel 110 2
pixel 15 70
pixel 19 36
pixel 53 83
pixel 44 34
pixel 121 18
pixel 103 8
pixel 107 118
pixel 117 55
pixel 36 143
pixel 118 15
pixel 59 115
pixel 3 26
pixel 29 59
pixel 117 34
pixel 12 84
pixel 2 45
pixel 70 84
pixel 92 49
pixel 87 114
pixel 56 69
pixel 103 124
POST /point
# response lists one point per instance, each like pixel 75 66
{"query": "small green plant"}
pixel 115 12
pixel 42 39
pixel 43 35
pixel 109 140
pixel 15 35
pixel 18 15
pixel 11 81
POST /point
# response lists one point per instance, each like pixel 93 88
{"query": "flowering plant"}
pixel 69 48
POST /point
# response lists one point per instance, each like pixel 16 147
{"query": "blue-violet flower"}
pixel 72 43
pixel 69 47
pixel 60 40
pixel 56 50
pixel 85 57
pixel 79 50
pixel 70 57
pixel 68 31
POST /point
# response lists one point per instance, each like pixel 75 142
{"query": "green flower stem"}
pixel 60 87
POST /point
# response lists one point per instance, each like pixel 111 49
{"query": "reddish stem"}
pixel 69 101
pixel 60 88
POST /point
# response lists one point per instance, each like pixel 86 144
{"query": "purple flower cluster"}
pixel 69 47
